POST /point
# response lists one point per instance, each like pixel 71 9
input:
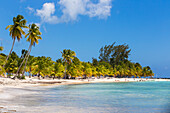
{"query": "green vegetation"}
pixel 33 37
pixel 72 67
pixel 16 31
pixel 68 56
pixel 113 60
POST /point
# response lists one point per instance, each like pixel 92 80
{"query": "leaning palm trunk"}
pixel 9 52
pixel 26 60
pixel 22 62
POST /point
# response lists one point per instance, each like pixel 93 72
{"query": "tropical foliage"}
pixel 33 37
pixel 16 31
pixel 73 67
pixel 113 60
pixel 68 56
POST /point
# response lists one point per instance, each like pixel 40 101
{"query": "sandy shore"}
pixel 11 88
pixel 37 82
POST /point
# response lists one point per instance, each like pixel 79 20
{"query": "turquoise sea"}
pixel 132 97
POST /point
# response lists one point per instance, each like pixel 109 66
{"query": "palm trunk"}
pixel 39 75
pixel 65 74
pixel 30 73
pixel 9 52
pixel 22 62
pixel 26 60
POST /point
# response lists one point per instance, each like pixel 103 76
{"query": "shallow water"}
pixel 133 97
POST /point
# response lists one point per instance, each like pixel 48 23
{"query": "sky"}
pixel 84 26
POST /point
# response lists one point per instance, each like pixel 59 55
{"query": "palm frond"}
pixel 8 27
pixel 19 28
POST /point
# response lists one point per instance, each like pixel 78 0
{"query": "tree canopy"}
pixel 114 54
pixel 113 59
pixel 46 67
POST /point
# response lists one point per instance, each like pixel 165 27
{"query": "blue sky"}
pixel 84 26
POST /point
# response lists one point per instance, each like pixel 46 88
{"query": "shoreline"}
pixel 7 83
pixel 45 82
pixel 10 89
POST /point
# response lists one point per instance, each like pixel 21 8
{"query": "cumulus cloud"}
pixel 46 13
pixel 72 9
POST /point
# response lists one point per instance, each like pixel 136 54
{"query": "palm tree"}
pixel 87 69
pixel 41 66
pixel 30 63
pixel 1 48
pixel 11 66
pixel 68 56
pixel 16 31
pixel 58 69
pixel 147 72
pixel 33 37
pixel 76 68
pixel 2 70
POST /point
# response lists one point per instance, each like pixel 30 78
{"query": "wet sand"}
pixel 10 89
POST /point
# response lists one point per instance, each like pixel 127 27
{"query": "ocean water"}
pixel 132 97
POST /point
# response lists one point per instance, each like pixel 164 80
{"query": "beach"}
pixel 9 89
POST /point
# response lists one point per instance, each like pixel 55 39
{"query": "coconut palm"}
pixel 16 31
pixel 12 64
pixel 38 66
pixel 2 70
pixel 33 37
pixel 68 56
pixel 115 72
pixel 87 69
pixel 1 48
pixel 29 67
pixel 42 66
pixel 76 68
pixel 58 70
pixel 138 70
pixel 147 72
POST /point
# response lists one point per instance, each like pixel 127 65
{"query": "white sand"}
pixel 11 88
pixel 7 83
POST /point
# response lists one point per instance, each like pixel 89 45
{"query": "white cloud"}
pixel 101 10
pixel 46 13
pixel 72 9
pixel 30 9
pixel 45 29
pixel 38 24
